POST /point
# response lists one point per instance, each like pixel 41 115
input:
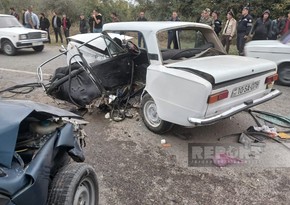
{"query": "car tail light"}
pixel 218 96
pixel 271 79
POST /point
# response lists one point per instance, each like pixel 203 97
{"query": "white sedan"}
pixel 192 84
pixel 14 36
pixel 274 50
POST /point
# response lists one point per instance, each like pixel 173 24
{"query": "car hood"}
pixel 12 113
pixel 224 68
pixel 19 30
pixel 267 46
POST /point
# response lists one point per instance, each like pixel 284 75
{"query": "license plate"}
pixel 37 43
pixel 245 89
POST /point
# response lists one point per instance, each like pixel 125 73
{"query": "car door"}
pixel 115 71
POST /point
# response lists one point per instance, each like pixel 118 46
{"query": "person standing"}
pixel 114 17
pixel 206 19
pixel 28 18
pixel 216 22
pixel 56 25
pixel 244 27
pixel 286 27
pixel 13 13
pixel 172 33
pixel 65 22
pixel 44 25
pixel 200 17
pixel 97 22
pixel 35 20
pixel 83 24
pixel 262 28
pixel 229 30
pixel 140 36
pixel 23 17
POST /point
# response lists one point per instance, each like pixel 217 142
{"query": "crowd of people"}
pixel 243 29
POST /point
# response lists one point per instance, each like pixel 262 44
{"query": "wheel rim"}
pixel 8 48
pixel 284 75
pixel 150 113
pixel 85 193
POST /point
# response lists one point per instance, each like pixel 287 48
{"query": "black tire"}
pixel 284 75
pixel 8 48
pixel 150 116
pixel 75 183
pixel 38 48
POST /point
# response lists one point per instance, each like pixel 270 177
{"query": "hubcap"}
pixel 85 194
pixel 150 113
pixel 8 48
pixel 284 75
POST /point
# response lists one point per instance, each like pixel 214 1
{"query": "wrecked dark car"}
pixel 41 156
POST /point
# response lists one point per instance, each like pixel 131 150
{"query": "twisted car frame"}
pixel 194 84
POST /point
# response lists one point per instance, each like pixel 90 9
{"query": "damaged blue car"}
pixel 42 158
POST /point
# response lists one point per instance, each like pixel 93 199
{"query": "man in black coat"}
pixel 56 24
pixel 243 29
pixel 140 36
pixel 83 24
pixel 44 24
pixel 172 33
pixel 262 27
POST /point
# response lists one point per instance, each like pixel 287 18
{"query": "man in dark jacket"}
pixel 172 33
pixel 140 36
pixel 44 25
pixel 56 24
pixel 262 27
pixel 216 22
pixel 83 24
pixel 243 29
pixel 65 22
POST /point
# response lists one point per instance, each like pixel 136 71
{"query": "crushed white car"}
pixel 194 84
pixel 274 50
pixel 14 36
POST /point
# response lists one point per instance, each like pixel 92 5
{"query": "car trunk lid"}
pixel 220 69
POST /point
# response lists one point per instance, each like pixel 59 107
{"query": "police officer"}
pixel 243 29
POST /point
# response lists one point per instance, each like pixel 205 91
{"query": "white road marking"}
pixel 21 71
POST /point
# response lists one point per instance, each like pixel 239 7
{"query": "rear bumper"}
pixel 207 121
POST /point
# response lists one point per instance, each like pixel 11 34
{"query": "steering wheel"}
pixel 133 48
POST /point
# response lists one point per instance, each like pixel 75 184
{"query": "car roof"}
pixel 154 26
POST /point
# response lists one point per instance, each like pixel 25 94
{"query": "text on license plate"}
pixel 37 43
pixel 245 88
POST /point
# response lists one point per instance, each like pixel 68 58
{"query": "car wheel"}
pixel 74 184
pixel 150 116
pixel 284 75
pixel 38 48
pixel 8 48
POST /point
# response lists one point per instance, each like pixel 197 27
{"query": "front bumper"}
pixel 207 121
pixel 30 43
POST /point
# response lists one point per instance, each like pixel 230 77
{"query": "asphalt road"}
pixel 133 167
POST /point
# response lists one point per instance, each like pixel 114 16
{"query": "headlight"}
pixel 23 37
pixel 43 35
